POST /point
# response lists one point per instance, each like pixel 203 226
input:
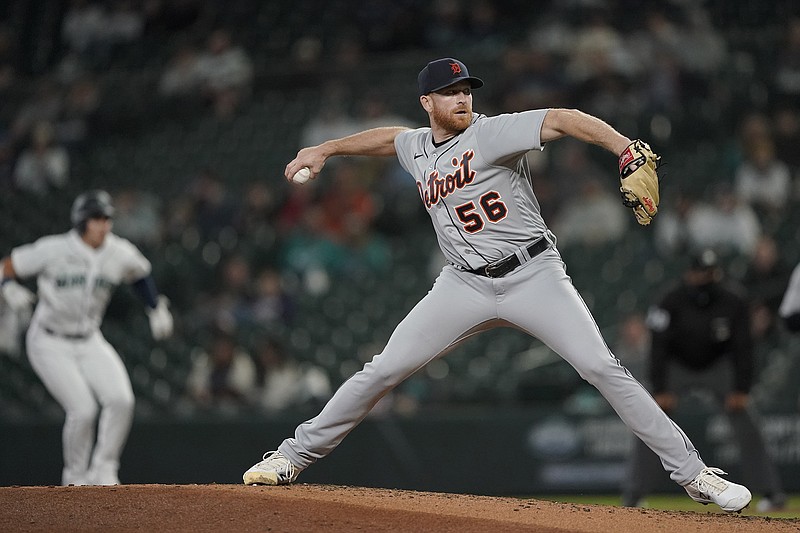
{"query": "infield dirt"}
pixel 331 508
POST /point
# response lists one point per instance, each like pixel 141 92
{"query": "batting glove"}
pixel 160 319
pixel 17 297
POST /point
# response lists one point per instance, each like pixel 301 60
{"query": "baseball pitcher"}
pixel 504 268
pixel 76 274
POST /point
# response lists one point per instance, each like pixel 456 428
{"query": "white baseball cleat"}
pixel 275 469
pixel 708 487
pixel 106 479
pixel 103 473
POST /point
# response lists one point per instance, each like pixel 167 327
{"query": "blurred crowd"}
pixel 713 85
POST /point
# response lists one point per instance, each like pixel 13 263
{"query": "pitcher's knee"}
pixel 599 371
pixel 387 376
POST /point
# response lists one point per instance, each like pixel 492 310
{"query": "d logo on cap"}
pixel 442 73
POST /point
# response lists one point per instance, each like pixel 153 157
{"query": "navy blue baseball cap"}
pixel 442 73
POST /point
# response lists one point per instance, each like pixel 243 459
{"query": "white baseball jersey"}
pixel 479 218
pixel 791 299
pixel 76 281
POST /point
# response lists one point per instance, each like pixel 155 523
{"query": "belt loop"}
pixel 551 237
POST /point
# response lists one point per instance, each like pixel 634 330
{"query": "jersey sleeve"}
pixel 403 145
pixel 137 265
pixel 30 259
pixel 509 135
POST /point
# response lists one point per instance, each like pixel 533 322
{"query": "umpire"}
pixel 701 343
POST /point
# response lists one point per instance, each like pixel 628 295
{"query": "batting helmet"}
pixel 91 204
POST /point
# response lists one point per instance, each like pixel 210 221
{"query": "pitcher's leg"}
pixel 450 310
pixel 561 320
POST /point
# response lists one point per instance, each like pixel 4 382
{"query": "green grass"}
pixel 674 502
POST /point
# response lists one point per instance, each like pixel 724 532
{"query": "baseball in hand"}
pixel 302 175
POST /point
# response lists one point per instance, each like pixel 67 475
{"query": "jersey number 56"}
pixel 493 209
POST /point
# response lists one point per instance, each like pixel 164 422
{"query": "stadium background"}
pixel 499 392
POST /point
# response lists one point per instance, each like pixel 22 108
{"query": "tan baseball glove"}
pixel 639 180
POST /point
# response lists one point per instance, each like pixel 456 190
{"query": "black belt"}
pixel 70 336
pixel 500 268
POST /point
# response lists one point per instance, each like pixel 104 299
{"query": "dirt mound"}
pixel 329 508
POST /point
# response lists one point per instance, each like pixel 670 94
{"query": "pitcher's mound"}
pixel 331 509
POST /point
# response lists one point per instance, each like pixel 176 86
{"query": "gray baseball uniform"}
pixel 478 192
pixel 69 353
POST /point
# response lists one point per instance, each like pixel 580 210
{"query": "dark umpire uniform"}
pixel 701 343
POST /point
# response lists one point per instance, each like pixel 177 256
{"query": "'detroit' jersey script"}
pixel 477 186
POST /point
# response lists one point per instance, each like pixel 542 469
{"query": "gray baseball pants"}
pixel 538 297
